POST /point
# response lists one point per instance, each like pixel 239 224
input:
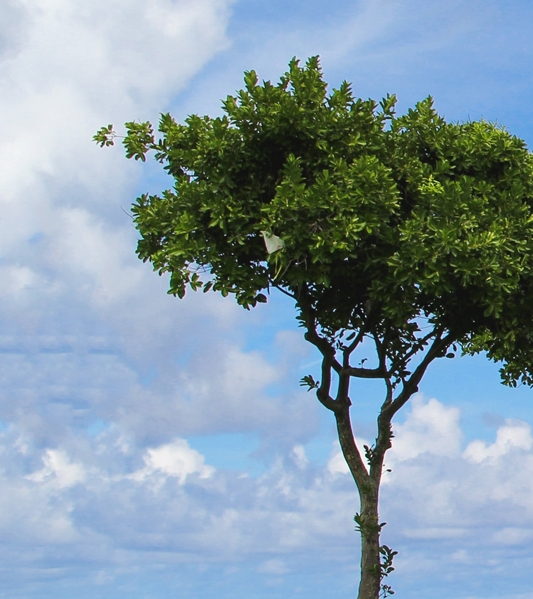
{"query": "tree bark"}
pixel 368 487
pixel 369 587
pixel 376 559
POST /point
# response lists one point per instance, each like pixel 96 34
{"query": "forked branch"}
pixel 410 386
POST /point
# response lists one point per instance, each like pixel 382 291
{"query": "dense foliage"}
pixel 405 216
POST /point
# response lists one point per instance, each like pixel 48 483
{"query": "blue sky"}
pixel 154 448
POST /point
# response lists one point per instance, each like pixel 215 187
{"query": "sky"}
pixel 156 448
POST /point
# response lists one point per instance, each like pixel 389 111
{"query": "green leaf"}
pixel 309 381
pixel 105 136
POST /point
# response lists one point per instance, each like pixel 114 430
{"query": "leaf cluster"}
pixel 384 221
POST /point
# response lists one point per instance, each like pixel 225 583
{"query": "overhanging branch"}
pixel 322 345
pixel 291 295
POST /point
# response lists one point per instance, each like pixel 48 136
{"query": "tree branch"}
pixel 388 397
pixel 380 350
pixel 365 373
pixel 292 296
pixel 325 385
pixel 350 450
pixel 347 352
pixel 410 386
pixel 321 344
pixel 328 361
pixel 343 389
pixel 383 441
pixel 417 346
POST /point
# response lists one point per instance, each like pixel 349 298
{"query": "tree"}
pixel 400 239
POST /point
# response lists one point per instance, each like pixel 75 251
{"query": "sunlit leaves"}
pixel 139 139
pixel 414 216
pixel 105 136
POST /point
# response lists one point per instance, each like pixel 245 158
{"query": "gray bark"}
pixel 368 486
pixel 370 584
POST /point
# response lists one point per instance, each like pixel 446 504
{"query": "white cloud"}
pixel 73 68
pixel 299 456
pixel 66 248
pixel 430 428
pixel 513 536
pixel 337 464
pixel 15 279
pixel 94 254
pixel 173 459
pixel 98 495
pixel 59 470
pixel 223 388
pixel 515 434
pixel 445 492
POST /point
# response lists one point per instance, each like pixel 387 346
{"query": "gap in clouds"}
pixel 230 451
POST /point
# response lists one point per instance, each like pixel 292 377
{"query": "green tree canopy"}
pixel 407 231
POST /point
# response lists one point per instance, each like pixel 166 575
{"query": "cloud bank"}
pixel 98 498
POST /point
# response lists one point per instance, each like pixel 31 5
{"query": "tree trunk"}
pixel 369 587
pixel 367 520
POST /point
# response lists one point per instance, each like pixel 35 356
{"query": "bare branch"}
pixel 292 296
pixel 343 389
pixel 415 349
pixel 410 386
pixel 350 450
pixel 347 352
pixel 380 350
pixel 365 373
pixel 321 344
pixel 328 362
pixel 325 385
pixel 383 441
pixel 388 397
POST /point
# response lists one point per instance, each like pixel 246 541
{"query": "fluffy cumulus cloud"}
pixel 512 436
pixel 101 498
pixel 72 290
pixel 69 68
pixel 452 505
pixel 175 459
